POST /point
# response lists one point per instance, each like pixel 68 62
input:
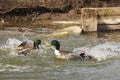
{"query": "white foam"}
pixel 25 38
pixel 101 51
pixel 11 43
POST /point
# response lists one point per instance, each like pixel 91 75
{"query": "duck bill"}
pixel 49 45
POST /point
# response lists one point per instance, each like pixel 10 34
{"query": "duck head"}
pixel 56 44
pixel 38 42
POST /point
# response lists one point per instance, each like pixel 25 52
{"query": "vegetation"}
pixel 25 11
pixel 6 6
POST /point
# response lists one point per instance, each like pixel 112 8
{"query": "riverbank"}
pixel 46 20
pixel 65 23
pixel 90 20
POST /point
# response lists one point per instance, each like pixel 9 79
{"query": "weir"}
pixel 98 19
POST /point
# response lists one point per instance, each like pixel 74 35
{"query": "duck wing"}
pixel 23 43
pixel 24 51
pixel 65 52
pixel 75 56
pixel 70 55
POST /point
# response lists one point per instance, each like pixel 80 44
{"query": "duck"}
pixel 68 55
pixel 26 46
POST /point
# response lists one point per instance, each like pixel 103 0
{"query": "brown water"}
pixel 42 65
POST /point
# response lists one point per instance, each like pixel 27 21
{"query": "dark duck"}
pixel 26 47
pixel 67 54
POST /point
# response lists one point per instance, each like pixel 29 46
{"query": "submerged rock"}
pixel 72 30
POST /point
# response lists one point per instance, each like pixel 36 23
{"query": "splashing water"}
pixel 101 51
pixel 11 45
pixel 25 38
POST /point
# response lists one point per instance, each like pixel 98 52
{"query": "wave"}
pixel 101 51
pixel 14 68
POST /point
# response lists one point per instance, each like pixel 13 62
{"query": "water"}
pixel 42 64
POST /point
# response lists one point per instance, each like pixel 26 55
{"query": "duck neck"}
pixel 36 45
pixel 57 52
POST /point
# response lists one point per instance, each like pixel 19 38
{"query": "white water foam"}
pixel 25 38
pixel 101 51
pixel 12 44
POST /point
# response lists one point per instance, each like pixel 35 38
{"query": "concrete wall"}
pixel 94 19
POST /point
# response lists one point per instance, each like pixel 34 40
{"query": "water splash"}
pixel 25 38
pixel 101 51
pixel 11 43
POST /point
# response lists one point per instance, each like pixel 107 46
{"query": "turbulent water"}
pixel 42 65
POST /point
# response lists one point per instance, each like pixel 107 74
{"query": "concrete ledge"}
pixel 92 17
